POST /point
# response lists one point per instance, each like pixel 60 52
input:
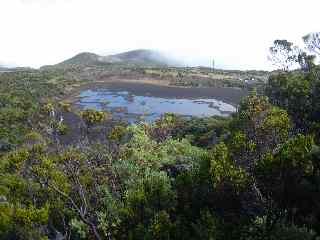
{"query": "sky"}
pixel 236 33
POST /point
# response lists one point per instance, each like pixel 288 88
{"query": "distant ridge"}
pixel 139 57
pixel 4 68
pixel 85 58
pixel 144 56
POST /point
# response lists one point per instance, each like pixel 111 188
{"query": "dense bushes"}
pixel 253 175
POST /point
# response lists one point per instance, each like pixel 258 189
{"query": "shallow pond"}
pixel 131 107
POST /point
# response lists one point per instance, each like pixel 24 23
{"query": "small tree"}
pixel 312 41
pixel 91 116
pixel 283 54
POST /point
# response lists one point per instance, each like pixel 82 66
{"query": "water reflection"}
pixel 125 105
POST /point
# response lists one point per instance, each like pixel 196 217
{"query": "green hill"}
pixel 140 57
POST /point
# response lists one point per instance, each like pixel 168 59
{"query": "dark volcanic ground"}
pixel 228 95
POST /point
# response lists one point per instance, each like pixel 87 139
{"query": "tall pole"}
pixel 212 64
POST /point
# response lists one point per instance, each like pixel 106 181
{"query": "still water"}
pixel 132 108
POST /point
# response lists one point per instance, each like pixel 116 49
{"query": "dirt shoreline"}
pixel 150 88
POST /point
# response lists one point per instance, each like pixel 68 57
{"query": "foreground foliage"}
pixel 253 175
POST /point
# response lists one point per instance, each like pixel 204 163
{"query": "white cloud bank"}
pixel 237 33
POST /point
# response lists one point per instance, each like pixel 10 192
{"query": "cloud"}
pixel 236 33
pixel 43 2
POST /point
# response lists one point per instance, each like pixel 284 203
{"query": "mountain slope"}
pixel 143 56
pixel 84 58
pixel 140 57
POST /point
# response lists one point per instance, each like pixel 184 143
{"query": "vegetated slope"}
pixel 85 58
pixel 153 65
pixel 198 178
pixel 140 57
